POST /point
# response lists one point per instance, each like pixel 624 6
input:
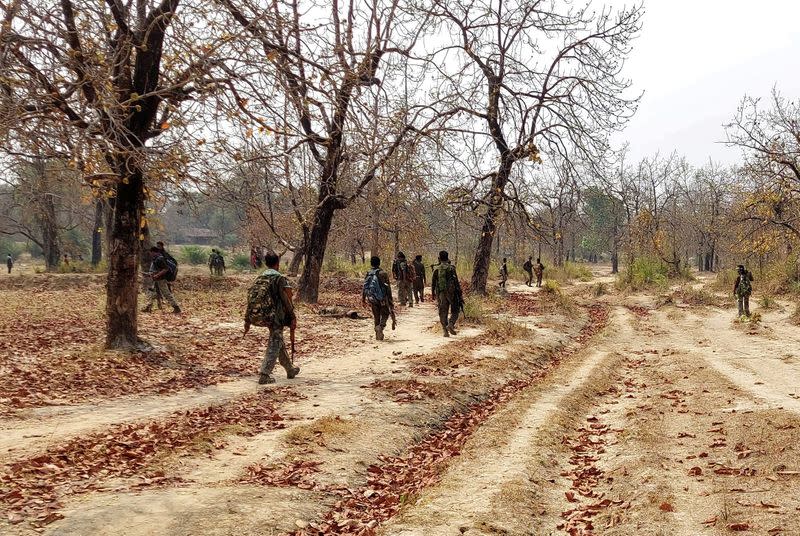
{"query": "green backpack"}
pixel 445 276
pixel 262 301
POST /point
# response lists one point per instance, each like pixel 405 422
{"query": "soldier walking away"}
pixel 404 275
pixel 504 273
pixel 378 293
pixel 162 271
pixel 539 271
pixel 420 279
pixel 9 263
pixel 446 290
pixel 269 304
pixel 528 267
pixel 742 289
pixel 216 262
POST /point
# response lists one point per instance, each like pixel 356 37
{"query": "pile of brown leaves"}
pixel 405 390
pixel 296 474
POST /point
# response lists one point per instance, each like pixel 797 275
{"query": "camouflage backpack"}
pixel 262 301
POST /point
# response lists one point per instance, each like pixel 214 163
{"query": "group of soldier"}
pixel 411 280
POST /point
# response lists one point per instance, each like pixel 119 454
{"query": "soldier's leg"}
pixel 444 307
pixel 377 313
pixel 283 357
pixel 740 303
pixel 274 347
pixel 166 293
pixel 385 313
pixel 454 312
pixel 747 304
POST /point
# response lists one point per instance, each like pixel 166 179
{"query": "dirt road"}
pixel 562 415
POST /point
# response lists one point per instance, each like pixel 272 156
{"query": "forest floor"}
pixel 587 412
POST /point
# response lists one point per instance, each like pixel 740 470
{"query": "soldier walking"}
pixel 378 292
pixel 504 273
pixel 539 271
pixel 742 289
pixel 420 279
pixel 528 267
pixel 9 263
pixel 162 271
pixel 404 275
pixel 277 304
pixel 446 290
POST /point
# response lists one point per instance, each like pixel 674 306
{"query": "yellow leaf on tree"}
pixel 165 125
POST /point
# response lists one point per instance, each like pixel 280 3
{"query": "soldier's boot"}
pixel 378 333
pixel 452 329
pixel 292 372
pixel 148 308
pixel 265 379
pixel 176 309
pixel 446 332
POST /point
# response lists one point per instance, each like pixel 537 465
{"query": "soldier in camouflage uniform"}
pixel 420 279
pixel 284 317
pixel 404 275
pixel 742 289
pixel 446 290
pixel 382 304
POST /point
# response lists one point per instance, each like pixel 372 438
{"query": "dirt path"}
pixel 674 423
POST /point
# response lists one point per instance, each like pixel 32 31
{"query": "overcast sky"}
pixel 696 59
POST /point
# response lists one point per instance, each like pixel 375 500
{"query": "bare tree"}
pixel 100 83
pixel 532 79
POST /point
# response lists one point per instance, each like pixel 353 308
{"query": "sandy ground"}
pixel 670 420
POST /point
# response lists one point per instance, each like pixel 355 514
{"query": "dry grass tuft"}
pixel 328 427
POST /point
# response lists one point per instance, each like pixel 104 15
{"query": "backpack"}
pixel 745 285
pixel 373 289
pixel 411 272
pixel 172 267
pixel 528 266
pixel 445 276
pixel 262 301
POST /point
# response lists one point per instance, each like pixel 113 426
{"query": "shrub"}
pixel 569 271
pixel 194 254
pixel 241 262
pixel 335 265
pixel 550 286
pixel 644 273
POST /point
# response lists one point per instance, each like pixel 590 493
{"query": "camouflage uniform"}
pixel 284 316
pixel 383 310
pixel 528 267
pixel 160 286
pixel 401 270
pixel 538 269
pixel 742 289
pixel 445 291
pixel 503 275
pixel 419 281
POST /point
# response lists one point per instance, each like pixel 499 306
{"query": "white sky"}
pixel 696 59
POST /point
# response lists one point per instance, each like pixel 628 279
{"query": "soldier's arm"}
pixel 384 279
pixel 288 305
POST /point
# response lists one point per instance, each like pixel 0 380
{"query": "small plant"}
pixel 475 308
pixel 599 289
pixel 767 302
pixel 644 273
pixel 551 286
pixel 754 318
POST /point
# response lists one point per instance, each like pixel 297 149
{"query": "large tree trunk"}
pixel 97 235
pixel 50 240
pixel 483 252
pixel 297 258
pixel 122 287
pixel 315 252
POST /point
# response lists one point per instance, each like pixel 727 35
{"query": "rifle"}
pixel 291 339
pixel 394 318
pixel 460 297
